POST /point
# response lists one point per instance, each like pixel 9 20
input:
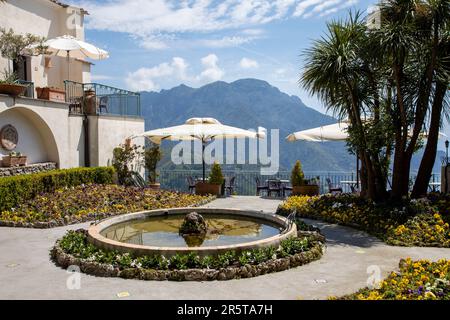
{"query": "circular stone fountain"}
pixel 219 230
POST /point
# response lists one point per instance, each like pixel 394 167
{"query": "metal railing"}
pixel 99 99
pixel 29 91
pixel 245 182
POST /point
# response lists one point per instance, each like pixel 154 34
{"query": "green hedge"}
pixel 17 189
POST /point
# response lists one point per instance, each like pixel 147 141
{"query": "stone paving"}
pixel 27 273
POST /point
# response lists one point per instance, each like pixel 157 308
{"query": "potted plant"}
pixel 14 47
pixel 9 85
pixel 214 184
pixel 152 156
pixel 301 186
pixel 14 159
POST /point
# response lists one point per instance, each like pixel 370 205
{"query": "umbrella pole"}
pixel 203 158
pixel 68 65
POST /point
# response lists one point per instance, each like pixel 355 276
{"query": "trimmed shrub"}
pixel 216 176
pixel 17 189
pixel 297 176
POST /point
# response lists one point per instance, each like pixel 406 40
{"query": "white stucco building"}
pixel 92 119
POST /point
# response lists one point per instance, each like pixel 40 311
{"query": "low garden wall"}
pixel 29 169
pixel 133 269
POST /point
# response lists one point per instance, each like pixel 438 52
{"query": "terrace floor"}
pixel 27 273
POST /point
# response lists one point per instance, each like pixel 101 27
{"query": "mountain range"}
pixel 250 103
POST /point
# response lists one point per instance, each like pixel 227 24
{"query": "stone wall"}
pixel 32 168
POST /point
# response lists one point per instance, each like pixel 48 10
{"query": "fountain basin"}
pixel 153 229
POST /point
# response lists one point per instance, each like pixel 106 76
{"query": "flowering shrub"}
pixel 413 223
pixel 93 201
pixel 442 203
pixel 417 280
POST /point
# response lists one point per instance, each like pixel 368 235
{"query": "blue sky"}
pixel 159 44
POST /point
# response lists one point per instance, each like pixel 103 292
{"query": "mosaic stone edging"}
pixel 29 169
pixel 65 260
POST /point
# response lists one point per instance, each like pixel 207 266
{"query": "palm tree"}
pixel 436 42
pixel 341 73
pixel 409 41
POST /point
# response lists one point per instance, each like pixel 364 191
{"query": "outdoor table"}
pixel 283 182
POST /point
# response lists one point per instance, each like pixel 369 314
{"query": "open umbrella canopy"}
pixel 60 46
pixel 203 129
pixel 332 132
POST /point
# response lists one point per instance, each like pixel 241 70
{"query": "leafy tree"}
pixel 390 83
pixel 124 156
pixel 413 41
pixel 152 156
pixel 339 70
pixel 15 46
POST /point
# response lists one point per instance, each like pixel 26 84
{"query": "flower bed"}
pixel 91 202
pixel 15 190
pixel 417 280
pixel 74 250
pixel 415 223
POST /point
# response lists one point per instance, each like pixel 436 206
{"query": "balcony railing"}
pixel 99 99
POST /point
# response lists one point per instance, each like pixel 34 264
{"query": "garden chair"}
pixel 332 188
pixel 76 105
pixel 274 186
pixel 229 185
pixel 260 187
pixel 191 184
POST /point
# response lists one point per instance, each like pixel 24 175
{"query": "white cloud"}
pixel 168 74
pixel 212 72
pixel 226 42
pixel 145 78
pixel 247 63
pixel 151 43
pixel 253 32
pixel 321 8
pixel 149 21
pixel 304 5
pixel 100 77
pixel 344 5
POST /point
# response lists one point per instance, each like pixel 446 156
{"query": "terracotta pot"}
pixel 91 102
pixel 11 161
pixel 51 94
pixel 22 160
pixel 204 188
pixel 154 186
pixel 306 190
pixel 12 89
